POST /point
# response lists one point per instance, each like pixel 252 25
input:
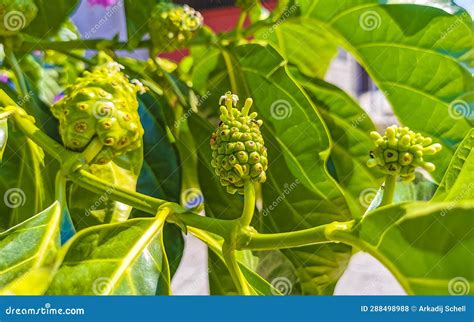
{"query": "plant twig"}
pixel 389 190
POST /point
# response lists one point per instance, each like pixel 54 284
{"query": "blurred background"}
pixel 365 275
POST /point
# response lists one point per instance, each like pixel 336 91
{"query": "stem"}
pixel 316 235
pixel 92 150
pixel 389 190
pixel 240 23
pixel 249 203
pixel 237 276
pixel 10 56
pixel 216 226
pixel 88 44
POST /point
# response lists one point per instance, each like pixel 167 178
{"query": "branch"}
pixel 329 233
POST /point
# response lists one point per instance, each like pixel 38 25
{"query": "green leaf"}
pixel 137 19
pixel 458 182
pixel 425 245
pixel 3 136
pixel 30 245
pixel 115 259
pixel 23 182
pixel 349 126
pixel 309 49
pixel 50 17
pixel 34 282
pixel 416 54
pixel 88 208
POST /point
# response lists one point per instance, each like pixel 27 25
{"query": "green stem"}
pixel 249 203
pixel 311 236
pixel 216 226
pixel 389 190
pixel 11 58
pixel 238 277
pixel 92 150
pixel 240 23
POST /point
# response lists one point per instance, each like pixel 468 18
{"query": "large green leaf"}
pixel 121 259
pixel 23 184
pixel 349 127
pixel 310 49
pixel 416 54
pixel 299 192
pixel 30 245
pixel 51 15
pixel 427 246
pixel 458 182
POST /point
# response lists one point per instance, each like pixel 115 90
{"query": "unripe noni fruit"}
pixel 16 15
pixel 400 151
pixel 238 151
pixel 101 104
pixel 172 26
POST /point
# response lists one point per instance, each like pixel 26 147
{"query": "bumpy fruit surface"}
pixel 238 151
pixel 400 151
pixel 172 26
pixel 101 104
pixel 16 15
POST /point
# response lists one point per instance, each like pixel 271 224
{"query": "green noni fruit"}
pixel 102 104
pixel 172 26
pixel 238 151
pixel 400 151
